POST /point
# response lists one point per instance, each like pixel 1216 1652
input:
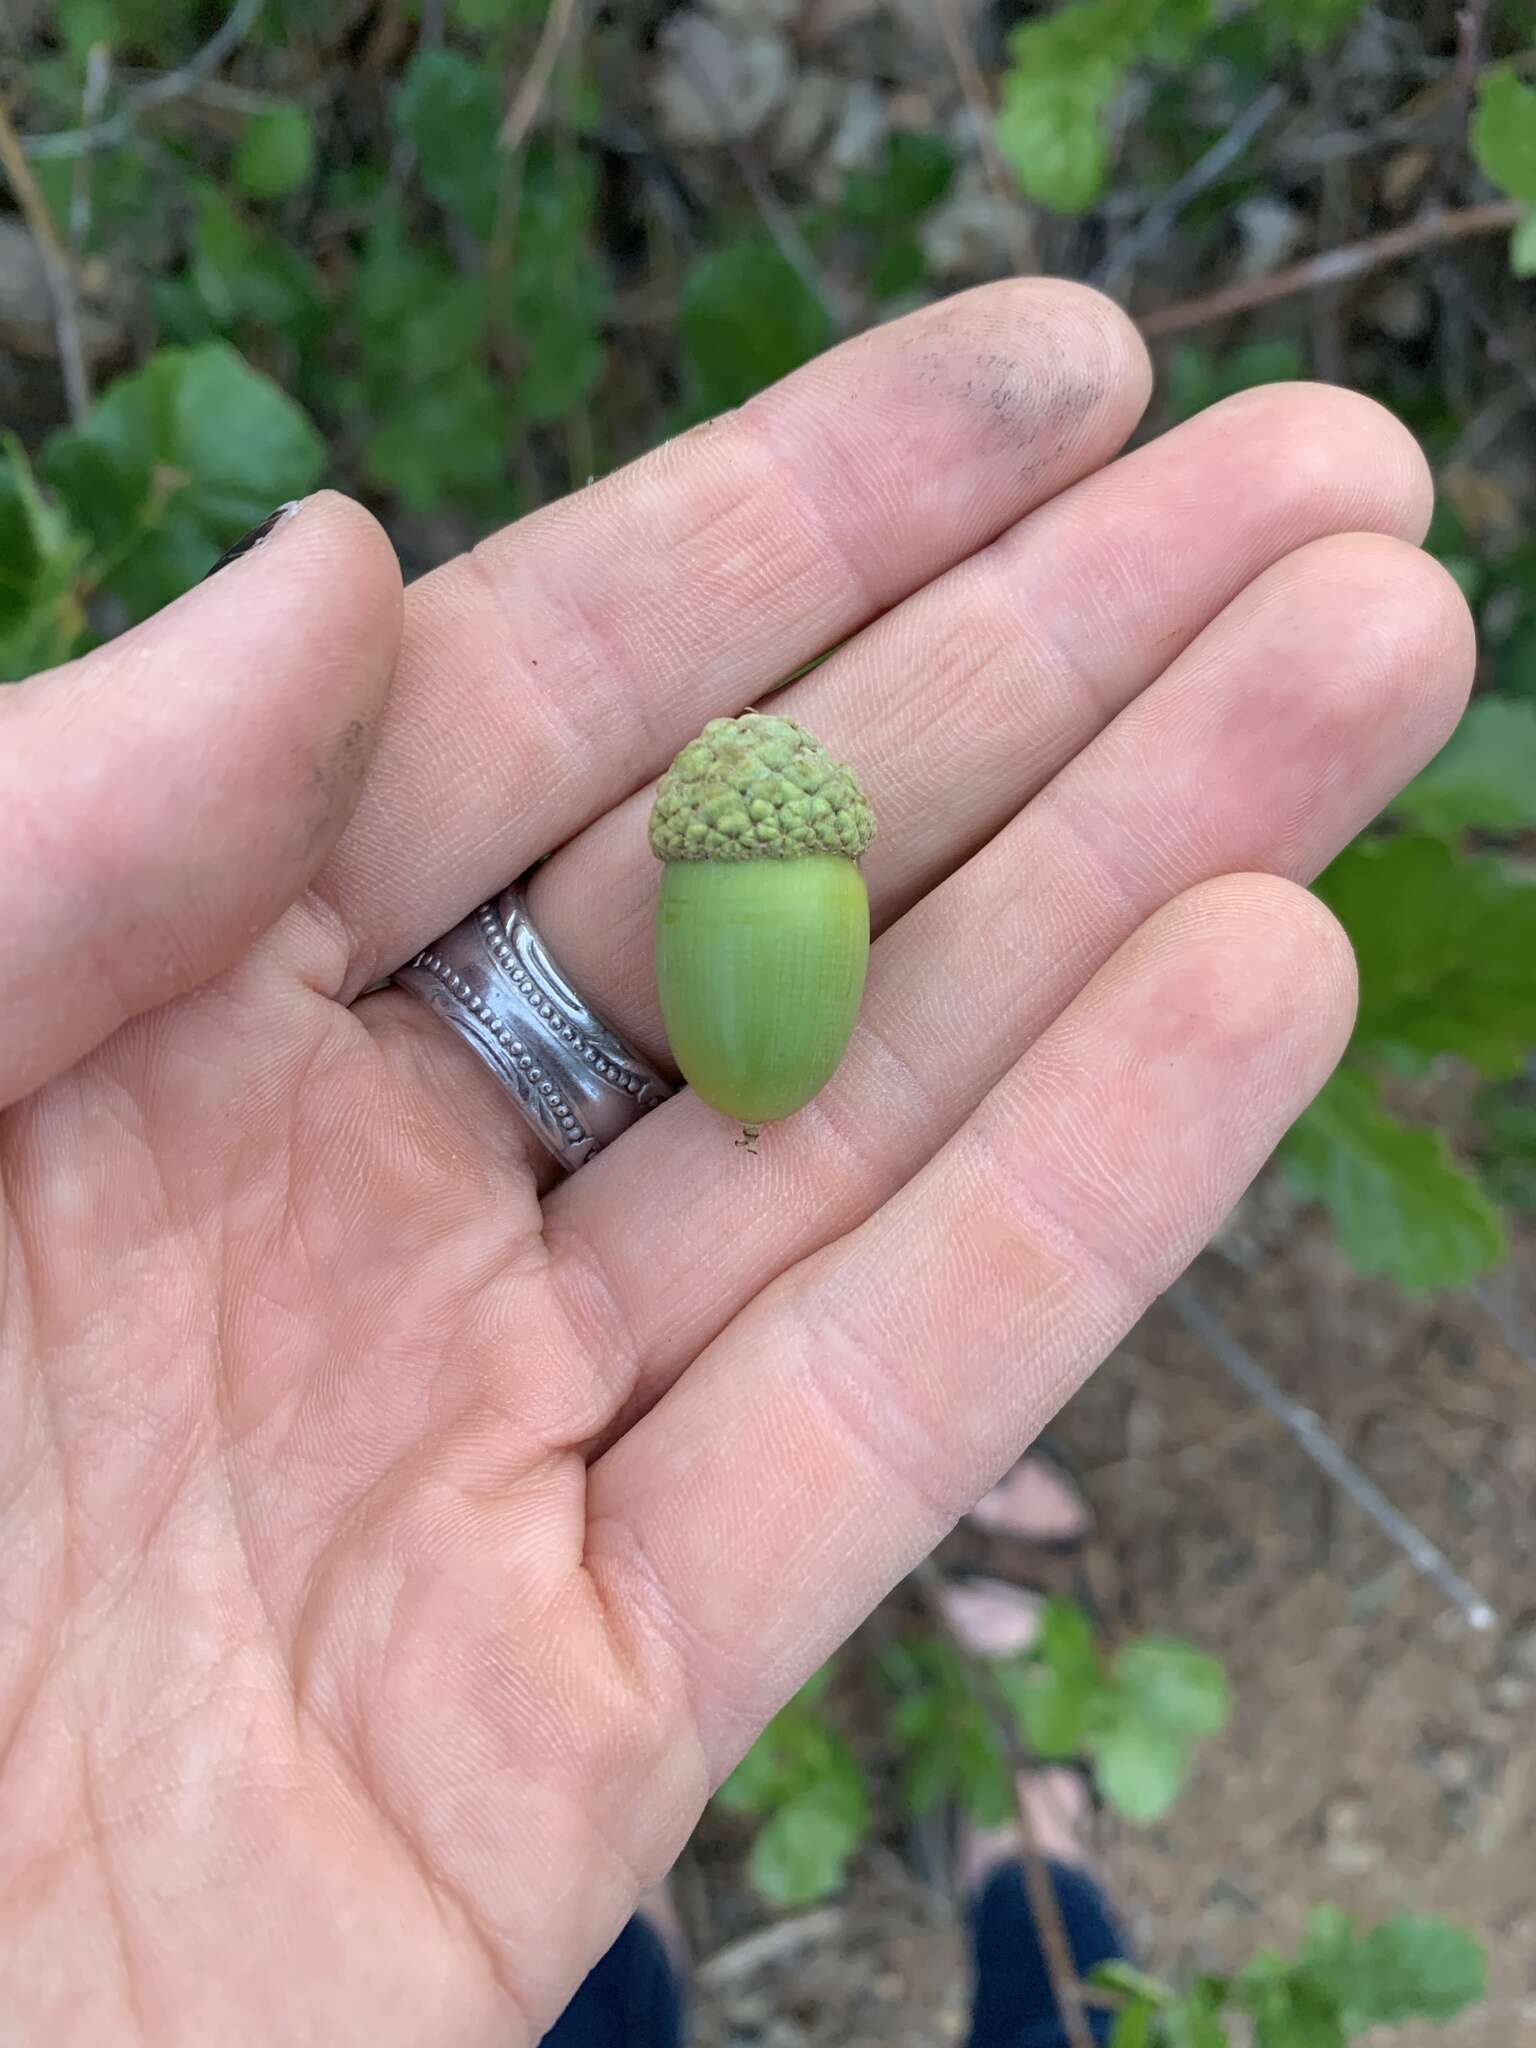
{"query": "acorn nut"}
pixel 762 926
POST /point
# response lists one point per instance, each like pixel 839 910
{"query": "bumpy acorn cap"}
pixel 758 788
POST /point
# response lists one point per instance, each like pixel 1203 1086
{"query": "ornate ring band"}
pixel 576 1082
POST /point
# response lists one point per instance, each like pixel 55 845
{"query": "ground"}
pixel 1379 1752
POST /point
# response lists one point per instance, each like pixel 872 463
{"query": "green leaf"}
pixel 897 265
pixel 243 274
pixel 1051 131
pixel 175 462
pixel 444 436
pixel 480 16
pixel 1056 1687
pixel 1163 1696
pixel 1066 73
pixel 41 619
pixel 1119 1975
pixel 916 171
pixel 1446 944
pixel 276 154
pixel 1507 1148
pixel 1140 1768
pixel 1522 246
pixel 162 30
pixel 1485 777
pixel 1133 2025
pixel 1503 132
pixel 554 295
pixel 747 318
pixel 1400 1203
pixel 761 1780
pixel 1173 1685
pixel 1414 1967
pixel 798 1752
pixel 83 23
pixel 1313 24
pixel 1297 2016
pixel 450 108
pixel 1194 2021
pixel 1196 378
pixel 417 314
pixel 948 1734
pixel 1291 2006
pixel 801 1853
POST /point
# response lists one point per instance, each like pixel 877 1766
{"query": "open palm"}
pixel 396 1546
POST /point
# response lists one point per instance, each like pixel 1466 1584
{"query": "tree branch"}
pixel 782 227
pixel 1333 266
pixel 1217 160
pixel 57 268
pixel 974 88
pixel 171 85
pixel 529 97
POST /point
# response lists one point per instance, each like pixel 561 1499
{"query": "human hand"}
pixel 396 1547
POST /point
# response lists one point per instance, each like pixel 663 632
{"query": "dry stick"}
pixel 1217 160
pixel 98 80
pixel 1333 266
pixel 775 216
pixel 974 87
pixel 1502 347
pixel 56 268
pixel 224 41
pixel 1425 1557
pixel 524 110
pixel 1044 1905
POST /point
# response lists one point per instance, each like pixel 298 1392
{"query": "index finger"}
pixel 560 665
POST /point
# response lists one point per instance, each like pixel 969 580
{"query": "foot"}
pixel 993 1619
pixel 1038 1502
pixel 658 1909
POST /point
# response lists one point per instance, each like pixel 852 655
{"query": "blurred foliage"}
pixel 1134 1719
pixel 353 276
pixel 1062 89
pixel 352 273
pixel 1338 1985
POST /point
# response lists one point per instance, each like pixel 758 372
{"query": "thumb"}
pixel 163 800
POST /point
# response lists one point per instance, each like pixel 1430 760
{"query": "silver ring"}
pixel 577 1083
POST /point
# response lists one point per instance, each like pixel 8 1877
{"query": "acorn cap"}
pixel 758 788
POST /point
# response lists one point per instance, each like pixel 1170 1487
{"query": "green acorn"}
pixel 762 928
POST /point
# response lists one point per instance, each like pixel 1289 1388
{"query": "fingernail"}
pixel 258 534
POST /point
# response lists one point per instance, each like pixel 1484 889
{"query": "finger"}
pixel 964 701
pixel 1268 745
pixel 163 800
pixel 560 665
pixel 842 1424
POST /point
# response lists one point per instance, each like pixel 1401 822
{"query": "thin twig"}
pixel 529 97
pixel 1333 266
pixel 771 1944
pixel 98 80
pixel 1332 219
pixel 1039 1886
pixel 1425 1557
pixel 171 85
pixel 56 268
pixel 774 214
pixel 1471 21
pixel 1503 346
pixel 977 99
pixel 1215 163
